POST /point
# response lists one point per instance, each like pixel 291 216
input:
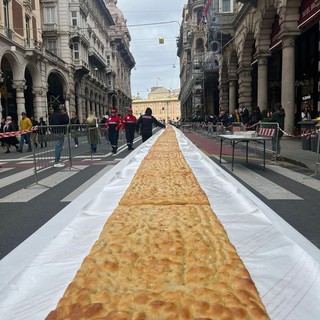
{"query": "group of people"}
pixel 249 120
pixel 240 115
pixel 25 126
pixel 114 123
pixel 130 124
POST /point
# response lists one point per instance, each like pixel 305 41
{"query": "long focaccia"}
pixel 162 259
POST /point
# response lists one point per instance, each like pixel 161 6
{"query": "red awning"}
pixel 309 10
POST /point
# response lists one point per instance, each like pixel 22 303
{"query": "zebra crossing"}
pixel 261 184
pixel 265 186
pixel 27 191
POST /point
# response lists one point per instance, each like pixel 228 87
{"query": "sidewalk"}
pixel 291 149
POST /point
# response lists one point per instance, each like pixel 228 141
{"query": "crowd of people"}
pixel 240 115
pixel 33 132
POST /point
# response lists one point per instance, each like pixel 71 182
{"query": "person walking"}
pixel 25 126
pixel 10 140
pixel 92 132
pixel 75 125
pixel 34 130
pixel 58 122
pixel 42 132
pixel 129 125
pixel 3 122
pixel 145 124
pixel 277 115
pixel 113 125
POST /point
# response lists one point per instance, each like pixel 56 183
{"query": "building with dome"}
pixel 164 103
pixel 74 53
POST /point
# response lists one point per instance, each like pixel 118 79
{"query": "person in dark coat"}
pixel 255 117
pixel 75 126
pixel 59 120
pixel 277 115
pixel 245 116
pixel 42 132
pixel 10 140
pixel 145 124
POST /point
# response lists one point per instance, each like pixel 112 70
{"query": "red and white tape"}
pixel 16 133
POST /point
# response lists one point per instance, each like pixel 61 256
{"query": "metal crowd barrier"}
pixel 47 137
pixel 269 129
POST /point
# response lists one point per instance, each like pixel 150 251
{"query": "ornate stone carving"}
pixel 288 42
pixel 19 85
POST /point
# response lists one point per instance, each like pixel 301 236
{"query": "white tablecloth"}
pixel 284 265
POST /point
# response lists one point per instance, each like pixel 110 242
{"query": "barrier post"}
pixel 270 129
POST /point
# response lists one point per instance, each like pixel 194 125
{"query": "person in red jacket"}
pixel 129 125
pixel 113 125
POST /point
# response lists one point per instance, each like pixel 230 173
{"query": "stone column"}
pixel 287 83
pixel 245 87
pixel 19 85
pixel 67 103
pixel 223 89
pixel 81 104
pixel 223 97
pixel 40 103
pixel 263 81
pixel 232 92
pixel 88 102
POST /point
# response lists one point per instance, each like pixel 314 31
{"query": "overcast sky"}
pixel 156 64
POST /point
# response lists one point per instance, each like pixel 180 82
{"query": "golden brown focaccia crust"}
pixel 162 260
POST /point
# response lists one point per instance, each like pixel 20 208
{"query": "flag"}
pixel 161 41
pixel 206 8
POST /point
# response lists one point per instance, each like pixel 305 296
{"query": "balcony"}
pixel 50 29
pixel 79 35
pixel 110 69
pixel 32 48
pixel 81 67
pixel 97 57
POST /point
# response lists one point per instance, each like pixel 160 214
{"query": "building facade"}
pixel 52 52
pixel 263 51
pixel 164 104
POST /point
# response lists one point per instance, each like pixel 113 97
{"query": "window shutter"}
pixel 17 17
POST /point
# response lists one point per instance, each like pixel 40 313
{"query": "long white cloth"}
pixel 283 264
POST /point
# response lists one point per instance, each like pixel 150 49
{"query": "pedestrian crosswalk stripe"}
pixel 73 195
pixel 265 187
pixel 4 182
pixel 4 170
pixel 34 190
pixel 296 176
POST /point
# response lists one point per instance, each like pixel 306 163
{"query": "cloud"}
pixel 149 21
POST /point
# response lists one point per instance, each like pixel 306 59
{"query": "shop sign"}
pixel 309 10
